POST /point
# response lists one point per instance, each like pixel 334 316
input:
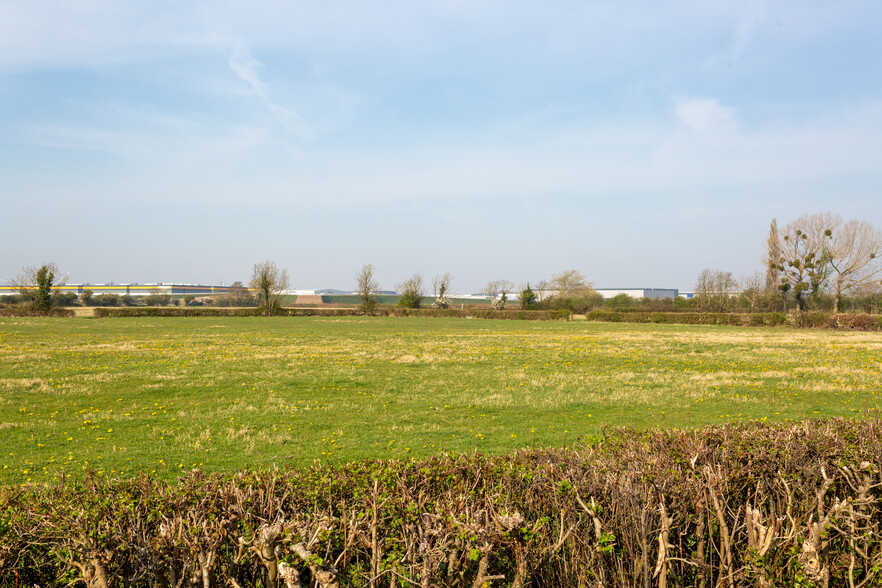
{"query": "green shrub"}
pixel 105 300
pixel 620 301
pixel 11 299
pixel 606 316
pixel 756 320
pixel 660 317
pixel 561 314
pixel 527 298
pixel 43 293
pixel 811 320
pixel 410 300
pixel 157 299
pixel 64 298
pixel 775 319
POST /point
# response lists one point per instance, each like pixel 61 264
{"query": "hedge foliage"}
pixel 153 311
pixel 861 322
pixel 864 322
pixel 31 311
pixel 739 505
pixel 856 322
pixel 106 312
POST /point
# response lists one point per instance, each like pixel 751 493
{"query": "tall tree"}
pixel 570 284
pixel 773 255
pixel 714 289
pixel 269 281
pixel 753 289
pixel 528 298
pixel 366 287
pixel 441 290
pixel 498 290
pixel 37 284
pixel 855 257
pixel 804 260
pixel 410 291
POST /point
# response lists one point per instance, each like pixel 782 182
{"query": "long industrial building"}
pixel 203 290
pixel 132 289
pixel 648 293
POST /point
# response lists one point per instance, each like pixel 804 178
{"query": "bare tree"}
pixel 410 291
pixel 366 287
pixel 714 289
pixel 869 296
pixel 570 284
pixel 498 290
pixel 753 289
pixel 854 257
pixel 270 281
pixel 239 294
pixel 542 290
pixel 497 287
pixel 441 290
pixel 703 287
pixel 37 283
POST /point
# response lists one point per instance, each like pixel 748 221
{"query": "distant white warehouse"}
pixel 650 293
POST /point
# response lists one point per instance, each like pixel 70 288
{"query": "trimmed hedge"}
pixel 810 320
pixel 739 505
pixel 29 312
pixel 523 315
pixel 805 320
pixel 152 311
pixel 856 322
pixel 862 322
pixel 210 311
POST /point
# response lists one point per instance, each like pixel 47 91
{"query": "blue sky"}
pixel 638 142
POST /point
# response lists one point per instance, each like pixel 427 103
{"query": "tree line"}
pixel 817 262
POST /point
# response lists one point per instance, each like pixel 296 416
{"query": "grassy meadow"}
pixel 163 395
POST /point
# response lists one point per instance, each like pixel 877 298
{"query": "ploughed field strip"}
pixel 166 395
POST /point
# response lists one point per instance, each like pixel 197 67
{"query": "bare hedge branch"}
pixel 738 505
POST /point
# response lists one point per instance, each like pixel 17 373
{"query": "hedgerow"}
pixel 863 322
pixel 28 311
pixel 177 311
pixel 738 505
pixel 760 319
pixel 856 322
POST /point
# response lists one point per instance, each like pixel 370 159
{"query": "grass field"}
pixel 163 395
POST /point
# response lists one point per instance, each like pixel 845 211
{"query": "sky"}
pixel 638 142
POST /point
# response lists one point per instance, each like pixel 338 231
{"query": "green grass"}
pixel 163 395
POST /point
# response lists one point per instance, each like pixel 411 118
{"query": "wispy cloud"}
pixel 248 69
pixel 754 16
pixel 704 114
